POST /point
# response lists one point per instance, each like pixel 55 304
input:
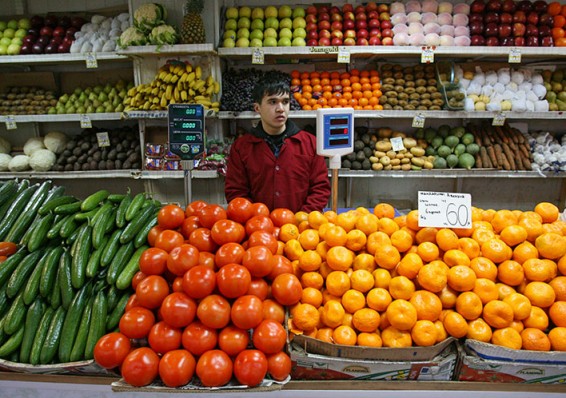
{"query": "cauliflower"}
pixel 5 146
pixel 32 145
pixel 19 163
pixel 4 161
pixel 42 160
pixel 55 141
pixel 163 34
pixel 131 37
pixel 149 15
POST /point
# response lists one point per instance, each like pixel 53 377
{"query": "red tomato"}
pixel 259 223
pixel 229 253
pixel 260 209
pixel 152 235
pixel 201 238
pixel 199 338
pixel 270 336
pixel 273 310
pixel 239 210
pixel 170 217
pixel 233 340
pixel 182 258
pixel 193 207
pixel 3 258
pixel 214 311
pixel 280 265
pixel 258 261
pixel 189 225
pixel 177 368
pixel 132 302
pixel 7 248
pixel 151 291
pixel 153 261
pixel 140 367
pixel 233 280
pixel 168 240
pixel 287 289
pixel 199 281
pixel 137 322
pixel 207 259
pixel 178 310
pixel 259 288
pixel 111 349
pixel 282 216
pixel 263 238
pixel 247 312
pixel 214 368
pixel 177 285
pixel 226 231
pixel 250 367
pixel 279 366
pixel 209 214
pixel 163 338
pixel 138 277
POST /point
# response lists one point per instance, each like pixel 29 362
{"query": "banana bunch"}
pixel 174 83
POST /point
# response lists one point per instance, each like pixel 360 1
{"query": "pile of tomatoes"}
pixel 209 300
pixel 6 250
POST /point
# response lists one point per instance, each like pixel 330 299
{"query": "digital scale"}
pixel 334 139
pixel 187 137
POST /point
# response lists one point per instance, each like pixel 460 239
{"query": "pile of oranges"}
pixel 380 280
pixel 356 89
pixel 558 13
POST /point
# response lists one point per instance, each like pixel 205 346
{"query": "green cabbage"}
pixel 131 37
pixel 148 16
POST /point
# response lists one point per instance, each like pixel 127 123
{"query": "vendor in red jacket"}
pixel 277 163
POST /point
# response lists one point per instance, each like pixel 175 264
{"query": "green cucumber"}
pixel 15 316
pixel 55 299
pixel 32 285
pixel 8 190
pixel 99 227
pixel 135 225
pixel 64 278
pixel 39 235
pixel 94 200
pixel 56 227
pixel 53 337
pixel 86 216
pixel 40 335
pixel 116 197
pixel 4 302
pixel 21 274
pixel 97 326
pixel 15 209
pixel 77 353
pixel 13 343
pixel 111 248
pixel 135 206
pixel 113 296
pixel 49 272
pixel 72 323
pixel 7 268
pixel 80 258
pixel 114 318
pixel 125 278
pixel 68 227
pixel 119 261
pixel 51 204
pixel 141 236
pixel 33 319
pixel 121 213
pixel 93 264
pixel 69 208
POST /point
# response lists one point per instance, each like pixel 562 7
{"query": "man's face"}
pixel 274 110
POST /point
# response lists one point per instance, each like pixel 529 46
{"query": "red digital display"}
pixel 339 121
pixel 338 131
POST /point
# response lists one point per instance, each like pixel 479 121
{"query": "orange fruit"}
pixel 356 240
pixel 557 313
pixel 424 333
pixel 533 226
pixel 496 250
pixel 507 337
pixel 554 8
pixel 455 324
pixel 504 290
pixel 310 260
pixel 312 296
pixel 309 238
pixel 378 299
pixel 401 314
pixel 288 231
pixel 337 283
pixel 412 220
pixel 333 313
pixel 401 287
pixel 376 240
pixel 428 251
pixel 461 278
pixel 540 270
pixel 344 335
pixel 347 320
pixel 562 265
pixel 551 245
pixel 502 219
pixel 487 215
pixel 322 249
pixel 409 265
pixel 347 220
pixel 469 246
pixel 335 235
pixel 520 305
pixel 353 300
pixel 483 267
pixel 382 278
pixel 432 277
pixel 362 280
pixel 535 340
pixel 517 325
pixel 305 316
pixel 537 319
pixel 469 305
pixel 456 257
pixel 312 279
pixel 557 337
pixel 448 297
pixel 548 211
pixel 293 249
pixel 367 223
pixel 524 251
pixel 426 234
pixel 387 225
pixel 364 261
pixel 498 314
pixel 325 334
pixel 427 304
pixel 316 219
pixel 366 320
pixel 402 240
pixel 369 340
pixel 382 210
pixel 339 258
pixel 511 273
pixel 387 256
pixel 395 338
pixel 482 235
pixel 479 330
pixel 440 331
pixel 446 239
pixel 512 235
pixel 559 286
pixel 540 294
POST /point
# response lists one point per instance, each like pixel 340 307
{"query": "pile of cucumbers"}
pixel 70 280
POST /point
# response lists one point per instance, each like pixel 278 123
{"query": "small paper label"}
pixel 515 56
pixel 258 56
pixel 397 144
pixel 445 209
pixel 85 122
pixel 427 56
pixel 103 139
pixel 343 56
pixel 10 123
pixel 498 120
pixel 91 62
pixel 418 121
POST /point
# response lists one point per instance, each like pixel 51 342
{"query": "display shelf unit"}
pixel 59 58
pixel 73 117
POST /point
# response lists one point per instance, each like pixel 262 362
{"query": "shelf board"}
pixel 103 174
pixel 449 173
pixel 209 113
pixel 177 49
pixel 58 58
pixel 69 117
pixel 178 174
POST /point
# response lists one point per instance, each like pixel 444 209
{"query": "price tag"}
pixel 515 56
pixel 85 122
pixel 103 139
pixel 445 210
pixel 498 120
pixel 418 121
pixel 258 56
pixel 343 56
pixel 10 123
pixel 427 56
pixel 91 62
pixel 397 144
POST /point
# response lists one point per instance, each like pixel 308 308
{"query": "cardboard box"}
pixel 490 363
pixel 317 360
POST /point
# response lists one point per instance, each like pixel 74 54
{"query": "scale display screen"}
pixel 337 130
pixel 186 130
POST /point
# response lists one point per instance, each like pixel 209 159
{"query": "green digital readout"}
pixel 193 125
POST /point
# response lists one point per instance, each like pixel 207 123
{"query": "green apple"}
pixel 9 33
pixel 286 32
pixel 228 43
pixel 271 12
pixel 13 49
pixel 232 13
pixel 285 12
pixel 24 23
pixel 257 24
pixel 256 43
pixel 299 12
pixel 243 32
pixel 299 22
pixel 300 32
pixel 256 34
pixel 3 49
pixel 3 25
pixel 229 34
pixel 13 24
pixel 270 32
pixel 244 22
pixel 298 42
pixel 284 42
pixel 270 42
pixel 272 22
pixel 17 40
pixel 21 33
pixel 257 13
pixel 242 42
pixel 286 23
pixel 245 12
pixel 5 41
pixel 231 24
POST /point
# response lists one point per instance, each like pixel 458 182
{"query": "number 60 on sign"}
pixel 445 209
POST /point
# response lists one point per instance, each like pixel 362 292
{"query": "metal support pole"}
pixel 187 180
pixel 334 190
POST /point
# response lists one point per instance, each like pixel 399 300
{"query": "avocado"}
pixel 351 156
pixel 346 164
pixel 367 151
pixel 360 156
pixel 356 165
pixel 366 164
pixel 358 145
pixel 366 138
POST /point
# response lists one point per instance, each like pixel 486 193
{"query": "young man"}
pixel 277 163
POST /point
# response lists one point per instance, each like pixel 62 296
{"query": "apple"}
pixel 373 23
pixel 540 6
pixel 362 34
pixel 36 21
pixel 269 42
pixel 324 41
pixel 245 12
pixel 382 7
pixel 546 19
pixel 324 25
pixel 270 12
pixel 299 32
pixel 231 24
pixel 520 41
pixel 36 49
pixel 371 6
pixel 24 23
pixel 387 41
pixel 520 16
pixel 311 27
pixel 349 16
pixel 57 40
pixel 362 41
pixel 349 41
pixel 311 10
pixel 350 33
pixel 507 42
pixel 374 41
pixel 491 17
pixel 347 8
pixel 492 41
pixel 532 30
pixel 477 40
pixel 337 34
pixel 334 10
pixel 336 41
pixel 232 13
pixel 375 32
pixel 12 24
pixel 256 43
pixel 43 40
pixel 311 18
pixel 285 12
pixel 547 41
pixel 324 16
pixel 6 41
pixel 386 33
pixel 348 24
pixel 505 30
pixel 386 24
pixel 299 22
pixel 532 41
pixel 20 33
pixel 475 18
pixel 242 42
pixel 257 24
pixel 244 22
pixel 285 32
pixel 312 42
pixel 373 15
pixel 298 12
pixel 243 32
pixel 476 28
pixel 532 18
pixel 519 29
pixel 525 5
pixel 477 6
pixel 71 32
pixel 493 5
pixel 286 23
pixel 361 24
pixel 359 9
pixel 491 29
pixel 336 25
pixel 384 16
pixel 544 31
pixel 51 48
pixel 13 49
pixel 298 42
pixel 271 22
pixel 324 34
pixel 508 6
pixel 256 34
pixel 29 39
pixel 257 13
pixel 324 9
pixel 10 33
pixel 361 16
pixel 506 18
pixel 336 17
pixel 270 32
pixel 312 34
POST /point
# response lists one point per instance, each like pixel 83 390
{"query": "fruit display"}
pixel 452 147
pixel 175 82
pixel 95 99
pixel 510 23
pixel 26 100
pixel 410 88
pixel 192 29
pixel 100 34
pixel 549 153
pixel 202 299
pixel 149 28
pixel 12 33
pixel 555 84
pixel 50 34
pixel 69 280
pixel 430 23
pixel 557 11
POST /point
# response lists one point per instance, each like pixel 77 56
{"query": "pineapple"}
pixel 193 26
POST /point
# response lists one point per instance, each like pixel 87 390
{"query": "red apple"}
pixel 382 7
pixel 311 18
pixel 324 16
pixel 59 31
pixel 532 41
pixel 386 24
pixel 324 25
pixel 371 6
pixel 348 24
pixel 311 10
pixel 334 10
pixel 312 34
pixel 373 23
pixel 546 19
pixel 477 6
pixel 476 28
pixel 324 41
pixel 350 33
pixel 547 41
pixel 46 31
pixel 544 31
pixel 386 33
pixel 336 25
pixel 519 29
pixel 387 41
pixel 71 32
pixel 507 42
pixel 337 33
pixel 493 5
pixel 312 42
pixel 375 33
pixel 361 24
pixel 336 17
pixel 525 5
pixel 520 41
pixel 324 9
pixel 374 41
pixel 29 39
pixel 311 26
pixel 349 41
pixel 336 41
pixel 363 33
pixel 324 34
pixel 505 30
pixel 506 18
pixel 476 18
pixel 532 18
pixel 359 9
pixel 491 17
pixel 347 8
pixel 520 16
pixel 373 15
pixel 362 41
pixel 532 30
pixel 508 6
pixel 477 40
pixel 492 41
pixel 361 16
pixel 540 6
pixel 491 29
pixel 349 16
pixel 384 16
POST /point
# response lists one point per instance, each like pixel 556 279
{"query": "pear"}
pixel 97 89
pixel 64 98
pixel 78 91
pixel 100 109
pixel 88 90
pixel 562 96
pixel 96 103
pixel 92 96
pixel 52 111
pixel 547 86
pixel 119 108
pixel 81 109
pixel 71 109
pixel 557 76
pixel 107 88
pixel 90 109
pixel 109 108
pixel 561 105
pixel 82 98
pixel 557 87
pixel 551 96
pixel 103 97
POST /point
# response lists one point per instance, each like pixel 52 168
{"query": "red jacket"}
pixel 297 179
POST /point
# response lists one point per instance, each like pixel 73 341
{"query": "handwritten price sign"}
pixel 445 209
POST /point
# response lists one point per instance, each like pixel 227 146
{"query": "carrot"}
pixel 485 158
pixel 501 160
pixel 492 157
pixel 479 163
pixel 510 156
